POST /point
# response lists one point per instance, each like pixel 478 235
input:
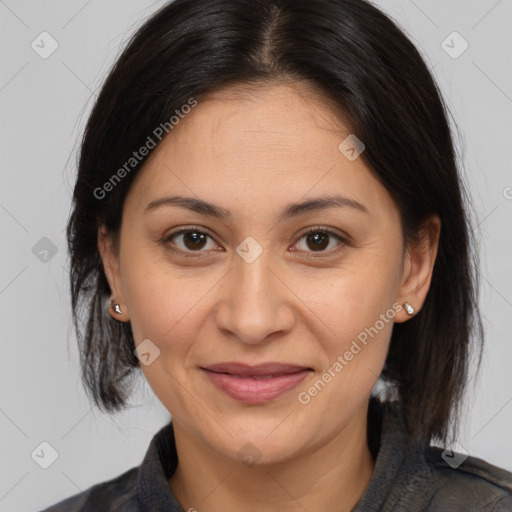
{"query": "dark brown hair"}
pixel 360 60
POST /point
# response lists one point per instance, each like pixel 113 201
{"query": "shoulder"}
pixel 119 493
pixel 472 485
pixel 410 475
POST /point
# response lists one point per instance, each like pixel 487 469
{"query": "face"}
pixel 253 286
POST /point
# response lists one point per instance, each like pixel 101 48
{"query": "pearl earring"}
pixel 116 307
pixel 409 308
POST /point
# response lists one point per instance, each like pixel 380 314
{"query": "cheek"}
pixel 158 301
pixel 353 323
pixel 166 310
pixel 348 300
pixel 162 311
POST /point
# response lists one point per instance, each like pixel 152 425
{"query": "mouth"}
pixel 260 370
pixel 255 384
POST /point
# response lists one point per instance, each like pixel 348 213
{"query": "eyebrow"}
pixel 291 210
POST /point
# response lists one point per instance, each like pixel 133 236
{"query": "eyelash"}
pixel 196 229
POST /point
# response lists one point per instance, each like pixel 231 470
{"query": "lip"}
pixel 255 384
pixel 245 370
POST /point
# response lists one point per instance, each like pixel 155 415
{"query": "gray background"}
pixel 44 105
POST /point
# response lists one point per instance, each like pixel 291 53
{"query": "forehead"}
pixel 281 113
pixel 254 145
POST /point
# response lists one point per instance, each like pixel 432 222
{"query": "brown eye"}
pixel 317 241
pixel 321 241
pixel 189 241
pixel 194 239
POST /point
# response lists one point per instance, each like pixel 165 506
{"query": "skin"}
pixel 254 151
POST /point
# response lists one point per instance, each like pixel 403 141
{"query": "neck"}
pixel 332 474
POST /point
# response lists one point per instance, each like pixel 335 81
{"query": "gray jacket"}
pixel 405 479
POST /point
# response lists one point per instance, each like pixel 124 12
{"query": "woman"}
pixel 269 217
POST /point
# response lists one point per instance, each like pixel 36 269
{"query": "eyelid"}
pixel 186 229
pixel 325 229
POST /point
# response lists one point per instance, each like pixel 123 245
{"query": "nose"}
pixel 256 303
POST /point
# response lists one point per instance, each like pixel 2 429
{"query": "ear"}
pixel 109 252
pixel 418 267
